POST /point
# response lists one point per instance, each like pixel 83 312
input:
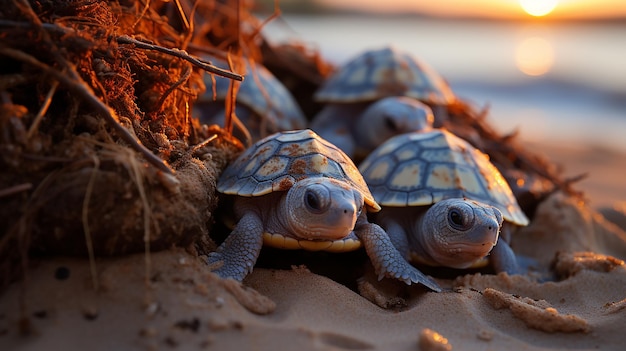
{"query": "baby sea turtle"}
pixel 295 190
pixel 359 134
pixel 443 202
pixel 263 103
pixel 379 73
pixel 371 76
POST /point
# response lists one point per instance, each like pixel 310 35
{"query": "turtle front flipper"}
pixel 397 235
pixel 240 250
pixel 386 259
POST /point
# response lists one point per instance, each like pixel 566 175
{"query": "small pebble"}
pixel 147 332
pixel 217 324
pixel 430 340
pixel 219 301
pixel 193 324
pixel 152 309
pixel 90 313
pixel 485 335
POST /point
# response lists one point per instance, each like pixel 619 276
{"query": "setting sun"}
pixel 501 9
pixel 538 8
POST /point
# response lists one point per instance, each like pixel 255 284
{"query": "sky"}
pixel 564 9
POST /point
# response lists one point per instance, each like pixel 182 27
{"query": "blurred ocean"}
pixel 580 100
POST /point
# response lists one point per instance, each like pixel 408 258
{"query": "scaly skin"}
pixel 287 214
pixel 387 260
pixel 431 237
pixel 240 250
pixel 335 123
pixel 389 117
pixel 333 216
pixel 358 128
pixel 453 247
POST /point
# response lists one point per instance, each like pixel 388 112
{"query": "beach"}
pixel 184 306
pixel 573 297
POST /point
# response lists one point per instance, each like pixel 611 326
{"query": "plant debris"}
pixel 99 152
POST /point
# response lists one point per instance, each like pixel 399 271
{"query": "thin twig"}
pixel 277 12
pixel 183 18
pixel 143 13
pixel 183 78
pixel 124 39
pixel 242 128
pixel 42 110
pixel 86 230
pixel 207 66
pixel 135 170
pixel 15 189
pixel 80 87
pixel 203 144
pixel 192 25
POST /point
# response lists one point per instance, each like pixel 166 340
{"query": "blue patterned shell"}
pixel 376 74
pixel 278 161
pixel 261 92
pixel 422 168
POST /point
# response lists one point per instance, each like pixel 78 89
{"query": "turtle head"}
pixel 321 208
pixel 389 117
pixel 458 232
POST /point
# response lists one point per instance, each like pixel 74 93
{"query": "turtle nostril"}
pixel 349 210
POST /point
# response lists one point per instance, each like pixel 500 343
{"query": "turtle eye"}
pixel 311 200
pixel 391 124
pixel 315 201
pixel 458 219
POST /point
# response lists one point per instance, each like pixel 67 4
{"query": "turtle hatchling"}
pixel 443 202
pixel 263 104
pixel 359 134
pixel 295 190
pixel 373 75
pixel 379 73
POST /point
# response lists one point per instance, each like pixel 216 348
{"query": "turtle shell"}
pixel 261 92
pixel 376 74
pixel 419 169
pixel 278 161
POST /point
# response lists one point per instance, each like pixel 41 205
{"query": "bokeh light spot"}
pixel 534 56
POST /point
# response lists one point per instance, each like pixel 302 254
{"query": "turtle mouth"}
pixel 323 232
pixel 471 251
pixel 286 243
pixel 463 255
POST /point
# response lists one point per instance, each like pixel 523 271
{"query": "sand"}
pixel 604 168
pixel 185 307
